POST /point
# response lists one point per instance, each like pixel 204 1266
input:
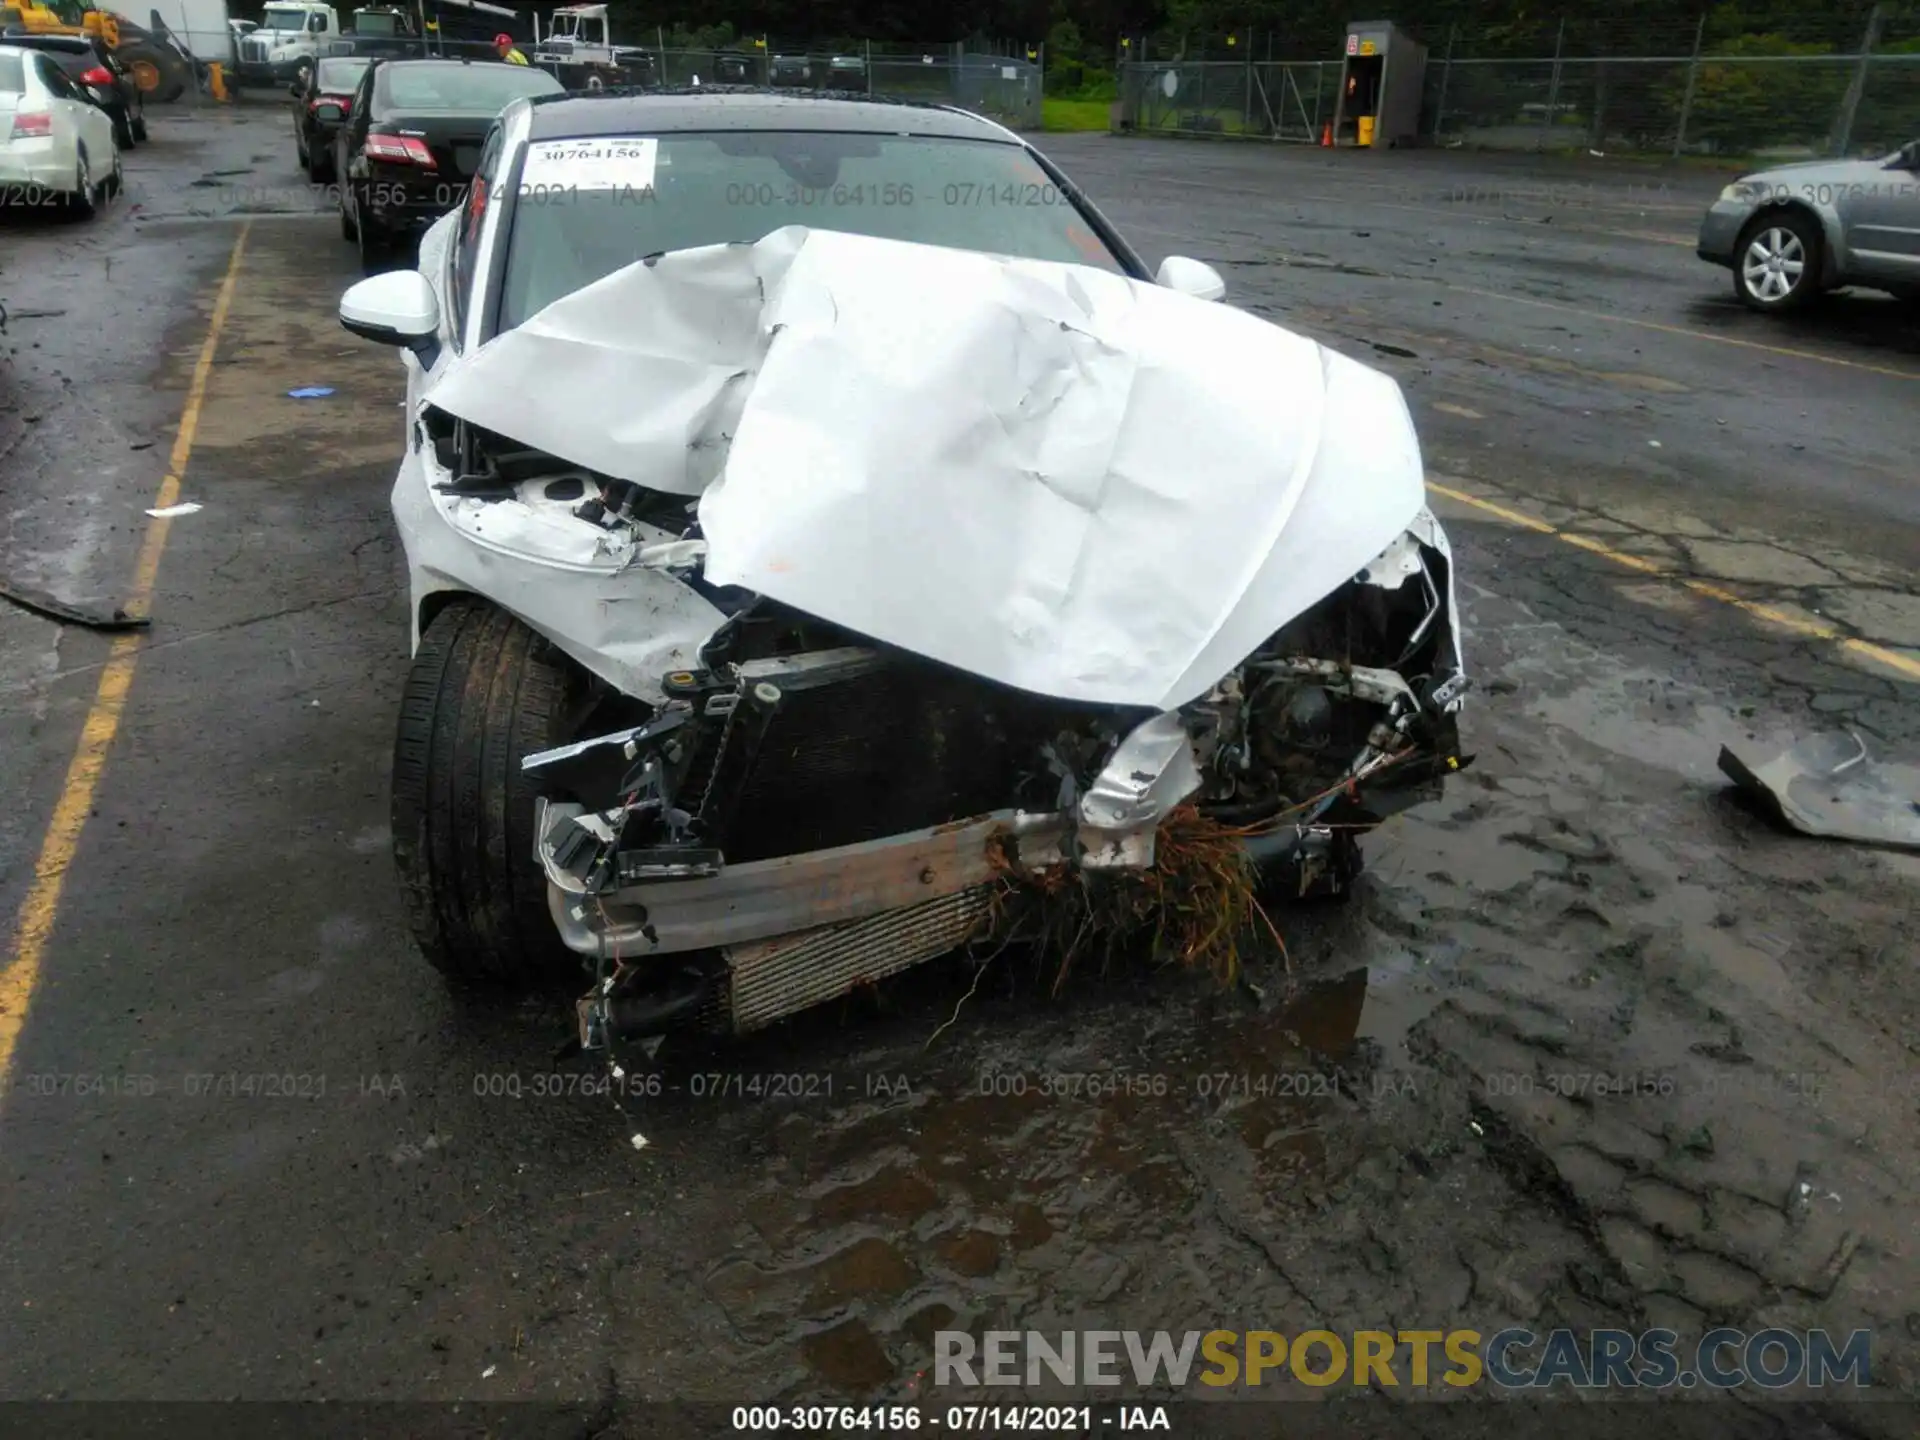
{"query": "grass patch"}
pixel 1074 114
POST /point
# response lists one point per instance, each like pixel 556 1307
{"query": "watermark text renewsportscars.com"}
pixel 1511 1359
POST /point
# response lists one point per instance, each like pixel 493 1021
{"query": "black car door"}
pixel 123 82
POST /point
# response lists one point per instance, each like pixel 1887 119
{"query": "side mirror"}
pixel 397 308
pixel 1191 277
pixel 329 114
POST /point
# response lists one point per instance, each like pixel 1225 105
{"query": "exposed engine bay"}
pixel 790 736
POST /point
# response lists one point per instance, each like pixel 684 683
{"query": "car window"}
pixel 483 89
pixel 472 220
pixel 708 189
pixel 55 79
pixel 339 77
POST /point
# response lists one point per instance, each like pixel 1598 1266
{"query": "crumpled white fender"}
pixel 1063 480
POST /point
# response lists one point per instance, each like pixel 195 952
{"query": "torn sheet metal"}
pixel 1152 770
pixel 627 623
pixel 1829 786
pixel 1082 485
pixel 640 376
pixel 767 898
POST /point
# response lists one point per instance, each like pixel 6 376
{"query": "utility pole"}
pixel 1553 88
pixel 1850 107
pixel 1693 79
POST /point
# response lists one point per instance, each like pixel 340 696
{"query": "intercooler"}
pixel 770 979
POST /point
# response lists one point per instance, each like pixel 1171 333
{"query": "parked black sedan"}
pixel 322 100
pixel 92 67
pixel 411 142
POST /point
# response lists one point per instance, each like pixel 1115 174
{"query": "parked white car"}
pixel 56 145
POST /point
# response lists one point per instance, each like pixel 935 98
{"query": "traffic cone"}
pixel 1326 135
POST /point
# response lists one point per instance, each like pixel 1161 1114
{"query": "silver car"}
pixel 1791 232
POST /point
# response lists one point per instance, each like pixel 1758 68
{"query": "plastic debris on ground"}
pixel 54 608
pixel 167 512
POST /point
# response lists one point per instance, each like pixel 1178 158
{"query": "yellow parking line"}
pixel 1690 334
pixel 1813 630
pixel 37 912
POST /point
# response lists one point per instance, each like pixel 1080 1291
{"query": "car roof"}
pixel 749 107
pixel 405 62
pixel 75 44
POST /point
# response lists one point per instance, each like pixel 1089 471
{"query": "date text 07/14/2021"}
pixel 880 1420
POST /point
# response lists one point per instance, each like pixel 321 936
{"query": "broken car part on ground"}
pixel 1829 786
pixel 916 567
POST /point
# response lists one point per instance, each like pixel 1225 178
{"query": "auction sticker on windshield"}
pixel 596 163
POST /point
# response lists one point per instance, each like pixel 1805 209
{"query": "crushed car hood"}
pixel 1054 477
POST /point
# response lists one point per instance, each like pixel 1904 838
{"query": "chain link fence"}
pixel 1006 88
pixel 1568 87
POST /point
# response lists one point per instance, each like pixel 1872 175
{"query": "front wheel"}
pixel 484 692
pixel 1776 265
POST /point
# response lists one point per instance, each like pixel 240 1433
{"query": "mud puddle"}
pixel 1581 1050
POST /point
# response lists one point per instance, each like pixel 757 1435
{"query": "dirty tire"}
pixel 484 692
pixel 1795 237
pixel 140 128
pixel 84 200
pixel 123 135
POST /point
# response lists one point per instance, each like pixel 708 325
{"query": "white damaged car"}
pixel 811 503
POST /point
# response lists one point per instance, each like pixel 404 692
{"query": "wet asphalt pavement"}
pixel 1593 1045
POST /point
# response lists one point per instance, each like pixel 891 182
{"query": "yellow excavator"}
pixel 160 70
